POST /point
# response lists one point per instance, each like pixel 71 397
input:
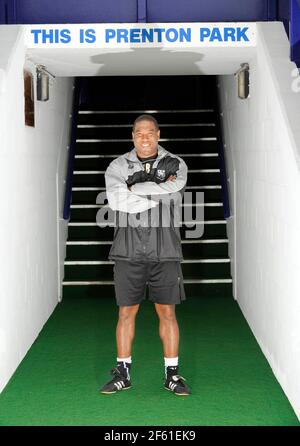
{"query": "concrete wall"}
pixel 262 137
pixel 32 173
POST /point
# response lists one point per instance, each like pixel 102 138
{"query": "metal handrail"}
pixel 222 163
pixel 69 181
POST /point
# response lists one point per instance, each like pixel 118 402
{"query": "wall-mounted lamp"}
pixel 42 83
pixel 243 81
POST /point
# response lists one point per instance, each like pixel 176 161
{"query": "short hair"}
pixel 145 118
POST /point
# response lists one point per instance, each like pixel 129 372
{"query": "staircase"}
pixel 103 135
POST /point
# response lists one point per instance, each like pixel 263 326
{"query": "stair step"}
pixel 97 206
pixel 93 271
pixel 121 126
pixel 109 242
pixel 111 282
pixel 92 231
pixel 108 262
pixel 102 188
pixel 173 146
pixel 92 111
pixel 89 212
pixel 209 177
pixel 99 155
pixel 87 195
pixel 100 250
pixel 163 116
pixel 123 133
pixel 102 172
pixel 194 289
pixel 185 224
pixel 96 162
pixel 162 140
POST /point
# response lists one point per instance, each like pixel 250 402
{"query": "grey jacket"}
pixel 148 216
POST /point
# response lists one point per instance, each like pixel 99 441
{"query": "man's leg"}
pixel 124 336
pixel 130 289
pixel 168 329
pixel 125 330
pixel 169 334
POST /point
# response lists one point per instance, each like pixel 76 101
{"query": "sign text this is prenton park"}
pixel 127 35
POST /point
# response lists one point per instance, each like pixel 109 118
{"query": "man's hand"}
pixel 171 178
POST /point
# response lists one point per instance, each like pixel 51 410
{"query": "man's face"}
pixel 145 138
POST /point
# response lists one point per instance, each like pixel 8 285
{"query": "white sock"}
pixel 128 360
pixel 171 362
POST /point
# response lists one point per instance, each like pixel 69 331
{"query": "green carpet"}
pixel 57 383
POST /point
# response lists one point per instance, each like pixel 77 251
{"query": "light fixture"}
pixel 243 81
pixel 42 83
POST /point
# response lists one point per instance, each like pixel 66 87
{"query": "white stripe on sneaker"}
pixel 119 385
pixel 172 385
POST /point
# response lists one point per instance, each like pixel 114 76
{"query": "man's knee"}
pixel 166 312
pixel 127 314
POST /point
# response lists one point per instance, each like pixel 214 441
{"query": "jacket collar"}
pixel 132 156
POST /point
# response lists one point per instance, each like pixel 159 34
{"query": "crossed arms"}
pixel 120 198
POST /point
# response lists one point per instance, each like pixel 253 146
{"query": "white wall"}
pixel 32 172
pixel 262 136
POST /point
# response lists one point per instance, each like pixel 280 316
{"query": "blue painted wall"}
pixel 70 11
pixel 207 11
pixel 114 11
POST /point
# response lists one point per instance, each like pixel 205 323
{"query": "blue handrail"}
pixel 295 31
pixel 221 158
pixel 69 182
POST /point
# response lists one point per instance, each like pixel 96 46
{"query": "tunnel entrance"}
pixel 186 108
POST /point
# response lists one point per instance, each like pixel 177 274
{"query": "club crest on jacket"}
pixel 161 173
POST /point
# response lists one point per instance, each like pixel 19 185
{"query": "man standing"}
pixel 146 251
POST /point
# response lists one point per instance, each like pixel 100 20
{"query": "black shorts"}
pixel 164 279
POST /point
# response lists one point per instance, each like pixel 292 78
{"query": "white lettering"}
pixel 127 436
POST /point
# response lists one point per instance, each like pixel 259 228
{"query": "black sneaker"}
pixel 175 383
pixel 119 382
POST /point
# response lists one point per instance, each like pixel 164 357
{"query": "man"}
pixel 145 249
